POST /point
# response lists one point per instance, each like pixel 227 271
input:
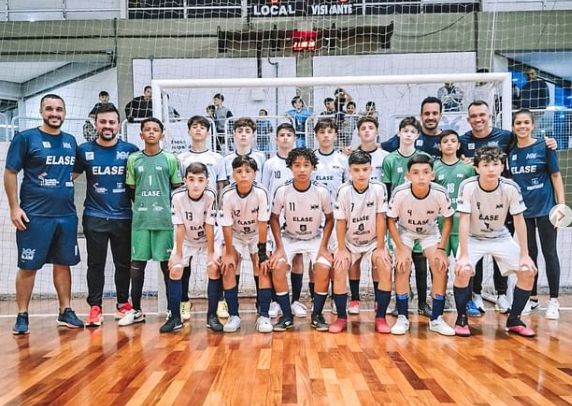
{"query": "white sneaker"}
pixel 131 317
pixel 333 307
pixel 478 301
pixel 530 307
pixel 353 308
pixel 186 310
pixel 502 305
pixel 263 325
pixel 222 309
pixel 553 310
pixel 298 309
pixel 401 326
pixel 440 326
pixel 275 310
pixel 232 325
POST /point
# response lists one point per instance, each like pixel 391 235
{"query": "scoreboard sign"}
pixel 301 8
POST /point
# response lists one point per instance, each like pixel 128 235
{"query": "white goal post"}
pixel 160 103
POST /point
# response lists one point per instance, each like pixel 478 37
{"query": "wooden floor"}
pixel 136 365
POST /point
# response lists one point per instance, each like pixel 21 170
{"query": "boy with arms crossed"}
pixel 484 202
pixel 153 173
pixel 245 214
pixel 199 131
pixel 301 202
pixel 194 214
pixel 360 227
pixel 412 217
pixel 243 134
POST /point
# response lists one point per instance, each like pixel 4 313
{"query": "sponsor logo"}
pixel 121 155
pixel 28 254
pixel 46 144
pixel 67 145
pixel 471 145
pixel 514 157
pixel 89 156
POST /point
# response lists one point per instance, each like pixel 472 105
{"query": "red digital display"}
pixel 303 40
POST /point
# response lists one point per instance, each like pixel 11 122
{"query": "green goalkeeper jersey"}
pixel 153 177
pixel 451 176
pixel 395 167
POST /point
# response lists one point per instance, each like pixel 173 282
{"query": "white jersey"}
pixel 258 156
pixel 360 210
pixel 194 214
pixel 302 210
pixel 419 215
pixel 243 213
pixel 331 171
pixel 377 157
pixel 213 161
pixel 275 174
pixel 489 210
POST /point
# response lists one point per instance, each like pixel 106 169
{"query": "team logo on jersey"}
pixel 369 204
pixel 532 155
pixel 441 177
pixel 499 206
pixel 303 227
pixel 471 145
pixel 140 169
pixel 89 156
pixel 419 143
pixel 399 170
pixel 67 145
pixel 28 254
pixel 156 207
pixel 122 155
pixel 460 175
pixel 159 168
pixel 254 210
pixel 142 208
pixel 46 144
pixel 430 212
pixel 493 144
pixel 314 207
pixel 478 205
pixel 514 157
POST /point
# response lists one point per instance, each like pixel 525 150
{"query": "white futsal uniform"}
pixel 331 171
pixel 194 214
pixel 488 212
pixel 418 216
pixel 275 174
pixel 213 161
pixel 243 213
pixel 360 210
pixel 258 156
pixel 377 157
pixel 303 213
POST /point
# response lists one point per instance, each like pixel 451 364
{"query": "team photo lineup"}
pixel 430 201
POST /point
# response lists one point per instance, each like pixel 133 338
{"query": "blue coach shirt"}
pixel 426 143
pixel 47 160
pixel 531 168
pixel 105 169
pixel 497 138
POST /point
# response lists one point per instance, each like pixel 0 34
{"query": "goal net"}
pixel 259 54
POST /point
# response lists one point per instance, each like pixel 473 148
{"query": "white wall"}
pixel 80 97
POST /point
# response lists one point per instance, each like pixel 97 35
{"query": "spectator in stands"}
pixel 349 126
pixel 221 114
pixel 370 110
pixel 140 107
pixel 103 99
pixel 338 116
pixel 341 98
pixel 451 96
pixel 534 94
pixel 264 130
pixel 298 115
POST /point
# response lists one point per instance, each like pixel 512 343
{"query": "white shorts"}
pixel 364 253
pixel 245 248
pixel 408 239
pixel 193 251
pixel 308 248
pixel 505 251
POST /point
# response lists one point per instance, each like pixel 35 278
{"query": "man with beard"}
pixel 45 215
pixel 107 212
pixel 428 141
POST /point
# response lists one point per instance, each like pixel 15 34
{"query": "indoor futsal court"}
pixel 285 202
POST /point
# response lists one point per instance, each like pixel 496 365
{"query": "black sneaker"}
pixel 22 324
pixel 174 323
pixel 284 323
pixel 319 323
pixel 214 324
pixel 425 310
pixel 69 319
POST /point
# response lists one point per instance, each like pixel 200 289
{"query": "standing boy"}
pixel 153 173
pixel 107 212
pixel 413 211
pixel 360 227
pixel 244 130
pixel 245 214
pixel 304 204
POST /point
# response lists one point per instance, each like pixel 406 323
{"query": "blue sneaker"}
pixel 472 310
pixel 22 325
pixel 69 319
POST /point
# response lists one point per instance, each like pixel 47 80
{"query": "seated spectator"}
pixel 451 96
pixel 103 99
pixel 140 107
pixel 298 115
pixel 264 130
pixel 534 94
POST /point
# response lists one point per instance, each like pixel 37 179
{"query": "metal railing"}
pixel 63 8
